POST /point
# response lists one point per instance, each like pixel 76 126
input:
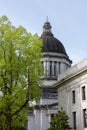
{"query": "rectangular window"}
pixel 84 118
pixel 83 93
pixel 74 120
pixel 73 96
pixel 59 68
pixel 55 68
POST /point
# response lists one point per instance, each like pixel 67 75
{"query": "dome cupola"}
pixel 50 43
pixel 47 27
pixel 55 59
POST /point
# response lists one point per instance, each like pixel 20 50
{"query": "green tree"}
pixel 60 121
pixel 18 128
pixel 20 69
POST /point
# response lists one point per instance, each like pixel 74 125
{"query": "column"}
pixel 62 67
pixel 40 119
pixel 48 68
pixel 44 64
pixel 57 69
pixel 52 68
pixel 49 119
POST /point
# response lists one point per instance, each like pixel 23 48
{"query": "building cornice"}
pixel 56 55
pixel 71 73
pixel 45 106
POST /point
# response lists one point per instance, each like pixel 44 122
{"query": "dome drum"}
pixel 55 59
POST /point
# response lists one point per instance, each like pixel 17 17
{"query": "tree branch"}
pixel 27 98
pixel 17 111
pixel 3 113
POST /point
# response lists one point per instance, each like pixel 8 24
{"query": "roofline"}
pixel 69 78
pixel 78 70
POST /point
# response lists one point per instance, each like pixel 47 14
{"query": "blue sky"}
pixel 67 17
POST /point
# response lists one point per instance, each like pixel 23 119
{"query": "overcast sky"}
pixel 68 19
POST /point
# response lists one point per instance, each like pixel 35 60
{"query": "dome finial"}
pixel 47 18
pixel 47 27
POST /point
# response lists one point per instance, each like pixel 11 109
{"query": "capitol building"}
pixel 63 86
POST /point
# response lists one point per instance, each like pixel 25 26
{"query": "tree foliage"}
pixel 60 121
pixel 20 69
pixel 19 128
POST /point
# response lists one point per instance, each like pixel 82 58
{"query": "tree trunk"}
pixel 8 123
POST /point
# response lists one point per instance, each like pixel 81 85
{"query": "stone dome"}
pixel 50 43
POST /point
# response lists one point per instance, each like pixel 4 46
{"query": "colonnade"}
pixel 53 68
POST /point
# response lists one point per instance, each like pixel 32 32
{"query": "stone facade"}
pixel 40 118
pixel 72 94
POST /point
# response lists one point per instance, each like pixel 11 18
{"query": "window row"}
pixel 83 93
pixel 84 116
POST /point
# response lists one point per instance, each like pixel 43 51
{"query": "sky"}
pixel 68 19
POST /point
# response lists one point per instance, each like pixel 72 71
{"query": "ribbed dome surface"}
pixel 50 43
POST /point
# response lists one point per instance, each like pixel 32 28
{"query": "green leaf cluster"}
pixel 18 128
